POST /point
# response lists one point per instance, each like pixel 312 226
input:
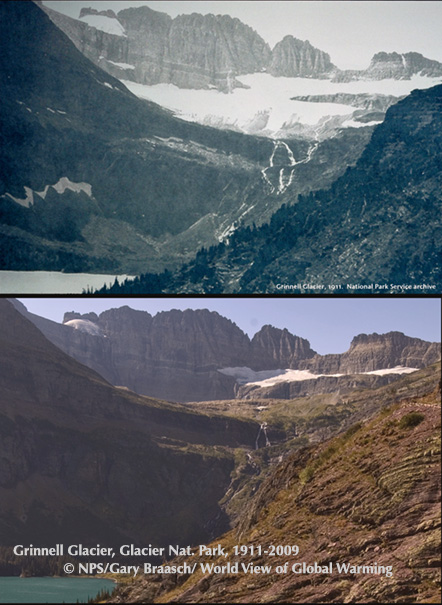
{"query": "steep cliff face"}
pixel 370 497
pixel 177 355
pixel 285 349
pixel 374 352
pixel 398 66
pixel 190 51
pixel 295 58
pixel 82 460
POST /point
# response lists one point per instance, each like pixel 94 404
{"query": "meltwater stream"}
pixel 279 173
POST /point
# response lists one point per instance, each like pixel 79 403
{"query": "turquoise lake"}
pixel 51 590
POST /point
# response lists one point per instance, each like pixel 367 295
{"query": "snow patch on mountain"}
pixel 121 65
pixel 265 105
pixel 84 325
pixel 244 375
pixel 268 378
pixel 60 187
pixel 105 24
pixel 355 124
pixel 396 370
pixel 27 201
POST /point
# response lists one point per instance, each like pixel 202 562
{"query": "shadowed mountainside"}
pixel 80 458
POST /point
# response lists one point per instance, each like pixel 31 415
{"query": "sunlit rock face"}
pixel 198 355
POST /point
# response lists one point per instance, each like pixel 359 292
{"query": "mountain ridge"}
pixel 162 51
pixel 178 355
pixel 81 457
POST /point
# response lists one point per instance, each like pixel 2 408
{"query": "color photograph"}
pixel 273 450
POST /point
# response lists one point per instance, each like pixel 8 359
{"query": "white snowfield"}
pixel 105 24
pixel 122 65
pixel 60 187
pixel 84 325
pixel 266 108
pixel 268 378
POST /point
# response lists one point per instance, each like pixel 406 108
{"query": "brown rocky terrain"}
pixel 369 497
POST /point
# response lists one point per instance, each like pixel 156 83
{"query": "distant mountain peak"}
pixel 92 11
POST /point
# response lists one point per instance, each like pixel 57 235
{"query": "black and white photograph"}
pixel 220 147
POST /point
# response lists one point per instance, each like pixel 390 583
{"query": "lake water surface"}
pixel 53 282
pixel 51 590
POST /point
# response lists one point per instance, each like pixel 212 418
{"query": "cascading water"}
pixel 279 173
pixel 262 429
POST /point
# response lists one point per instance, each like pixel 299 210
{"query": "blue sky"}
pixel 350 31
pixel 328 323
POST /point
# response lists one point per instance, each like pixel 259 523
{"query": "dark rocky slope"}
pixel 370 497
pixel 95 179
pixel 378 226
pixel 89 169
pixel 82 461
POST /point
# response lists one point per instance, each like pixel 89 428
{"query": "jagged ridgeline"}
pixel 190 51
pixel 198 355
pixel 200 51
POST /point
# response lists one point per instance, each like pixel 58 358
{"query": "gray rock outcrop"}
pixel 392 65
pixel 190 51
pixel 297 58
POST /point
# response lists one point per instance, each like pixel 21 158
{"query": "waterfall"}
pixel 262 428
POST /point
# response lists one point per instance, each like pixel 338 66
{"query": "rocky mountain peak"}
pixel 396 65
pixel 297 58
pixel 195 355
pixel 370 352
pixel 285 349
pixel 92 11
